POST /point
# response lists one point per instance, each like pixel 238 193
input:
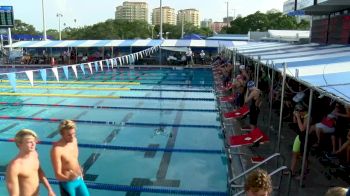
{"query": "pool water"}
pixel 158 135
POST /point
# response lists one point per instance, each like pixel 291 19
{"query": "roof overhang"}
pixel 327 7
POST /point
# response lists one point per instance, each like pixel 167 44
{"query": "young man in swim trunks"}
pixel 64 157
pixel 24 172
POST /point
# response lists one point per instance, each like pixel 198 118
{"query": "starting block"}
pixel 251 138
pixel 242 111
pixel 228 98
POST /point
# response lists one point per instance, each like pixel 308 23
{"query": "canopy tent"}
pixel 320 67
pixel 125 43
pixel 323 67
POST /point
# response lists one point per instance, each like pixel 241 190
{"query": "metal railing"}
pixel 279 169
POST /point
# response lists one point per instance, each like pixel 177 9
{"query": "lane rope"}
pixel 112 123
pixel 131 148
pixel 105 107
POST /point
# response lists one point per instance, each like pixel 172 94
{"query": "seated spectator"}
pixel 327 125
pixel 258 183
pixel 345 147
pixel 171 59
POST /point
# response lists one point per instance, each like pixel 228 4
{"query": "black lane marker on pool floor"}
pixel 40 111
pixel 94 156
pixel 80 115
pixel 164 164
pixel 8 127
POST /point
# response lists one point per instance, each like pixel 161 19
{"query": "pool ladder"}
pixel 233 187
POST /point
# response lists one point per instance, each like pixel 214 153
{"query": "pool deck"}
pixel 315 183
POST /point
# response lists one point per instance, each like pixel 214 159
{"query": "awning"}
pixel 125 43
pixel 324 67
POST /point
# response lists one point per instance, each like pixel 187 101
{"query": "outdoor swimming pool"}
pixel 149 131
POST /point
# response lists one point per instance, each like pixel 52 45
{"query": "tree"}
pixel 23 28
pixel 263 22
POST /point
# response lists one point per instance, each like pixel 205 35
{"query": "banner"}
pixel 107 63
pixel 55 72
pixel 96 66
pixel 12 80
pixel 74 67
pixel 43 75
pixel 30 77
pixel 90 67
pixel 65 71
pixel 82 67
pixel 101 65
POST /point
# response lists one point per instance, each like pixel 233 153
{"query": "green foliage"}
pixel 263 22
pixel 23 28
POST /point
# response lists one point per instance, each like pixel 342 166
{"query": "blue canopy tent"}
pixel 323 68
pixel 314 63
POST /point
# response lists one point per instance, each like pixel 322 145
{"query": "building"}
pixel 188 16
pixel 289 7
pixel 132 11
pixel 217 26
pixel 330 20
pixel 206 23
pixel 169 16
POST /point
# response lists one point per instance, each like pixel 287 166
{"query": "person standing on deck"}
pixel 253 97
pixel 64 157
pixel 24 173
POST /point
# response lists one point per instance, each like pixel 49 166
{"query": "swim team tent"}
pixel 125 43
pixel 326 68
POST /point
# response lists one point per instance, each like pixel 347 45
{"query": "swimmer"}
pixel 64 157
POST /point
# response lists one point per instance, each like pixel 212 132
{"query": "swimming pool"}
pixel 118 115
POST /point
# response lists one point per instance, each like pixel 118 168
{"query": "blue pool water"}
pixel 186 158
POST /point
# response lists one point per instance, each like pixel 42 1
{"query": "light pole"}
pixel 161 21
pixel 182 24
pixel 152 29
pixel 227 21
pixel 59 25
pixel 44 26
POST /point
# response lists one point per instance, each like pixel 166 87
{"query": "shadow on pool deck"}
pixel 315 183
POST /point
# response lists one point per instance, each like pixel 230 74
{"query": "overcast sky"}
pixel 88 12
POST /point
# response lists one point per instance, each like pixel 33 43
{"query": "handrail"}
pixel 271 174
pixel 254 167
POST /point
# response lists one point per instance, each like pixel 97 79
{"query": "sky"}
pixel 77 13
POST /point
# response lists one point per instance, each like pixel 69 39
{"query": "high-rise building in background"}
pixel 132 11
pixel 188 16
pixel 206 23
pixel 230 18
pixel 169 16
pixel 217 26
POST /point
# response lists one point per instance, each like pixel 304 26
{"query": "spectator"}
pixel 300 117
pixel 253 97
pixel 258 183
pixel 336 191
pixel 202 56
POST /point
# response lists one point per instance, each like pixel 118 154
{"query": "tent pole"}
pixel 270 97
pixel 281 107
pixel 257 72
pixel 306 139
